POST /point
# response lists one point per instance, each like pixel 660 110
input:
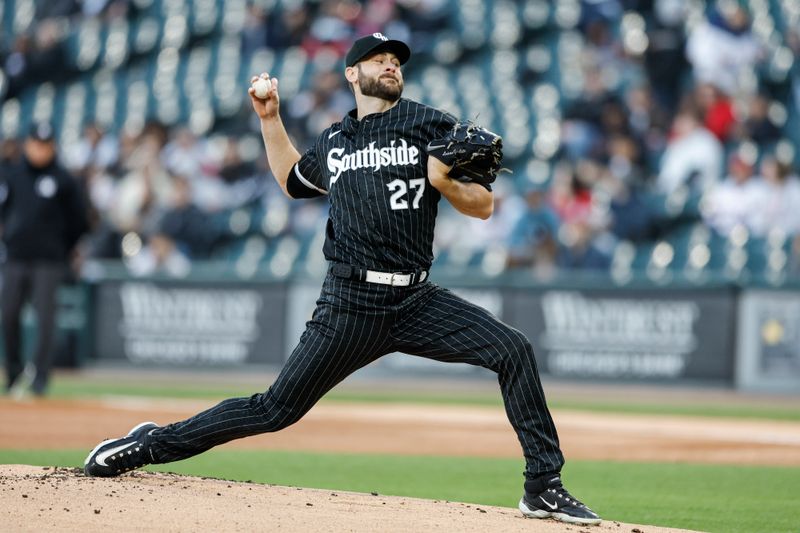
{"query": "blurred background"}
pixel 647 232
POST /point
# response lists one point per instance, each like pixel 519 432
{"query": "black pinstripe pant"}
pixel 354 324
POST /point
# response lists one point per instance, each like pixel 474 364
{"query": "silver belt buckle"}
pixel 391 279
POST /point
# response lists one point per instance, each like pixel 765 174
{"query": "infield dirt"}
pixel 63 499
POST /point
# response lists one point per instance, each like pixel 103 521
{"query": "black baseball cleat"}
pixel 555 502
pixel 116 456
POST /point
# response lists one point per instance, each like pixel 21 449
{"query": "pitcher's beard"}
pixel 378 88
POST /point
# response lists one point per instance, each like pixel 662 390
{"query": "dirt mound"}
pixel 34 498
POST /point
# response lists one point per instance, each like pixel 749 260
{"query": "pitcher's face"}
pixel 380 76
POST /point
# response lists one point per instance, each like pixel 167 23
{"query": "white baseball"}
pixel 261 87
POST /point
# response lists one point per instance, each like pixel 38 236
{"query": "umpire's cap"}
pixel 374 43
pixel 42 131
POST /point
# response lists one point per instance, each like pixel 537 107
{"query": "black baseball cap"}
pixel 374 43
pixel 42 131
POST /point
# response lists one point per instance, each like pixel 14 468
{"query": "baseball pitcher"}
pixel 384 169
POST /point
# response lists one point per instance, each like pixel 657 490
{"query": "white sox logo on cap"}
pixel 376 42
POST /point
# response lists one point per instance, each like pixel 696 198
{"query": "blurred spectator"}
pixel 614 118
pixel 452 236
pixel 665 57
pixel 631 132
pixel 16 65
pixel 478 234
pixel 325 101
pixel 777 200
pixel 234 168
pixel 758 126
pixel 581 130
pixel 90 159
pixel 159 256
pixel 578 250
pixel 102 190
pixel 95 149
pixel 255 31
pixel 722 48
pixel 333 28
pixel 717 109
pixel 195 158
pixel 602 49
pixel 289 26
pixel 694 156
pixel 425 19
pixel 43 216
pixel 185 153
pixel 647 120
pixel 735 201
pixel 104 240
pixel 10 151
pixel 304 219
pixel 532 240
pixel 571 193
pixel 381 16
pixel 192 231
pixel 625 160
pixel 572 199
pixel 47 61
pixel 624 184
pixel 143 192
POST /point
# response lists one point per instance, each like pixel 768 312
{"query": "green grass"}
pixel 76 388
pixel 729 499
pixel 771 412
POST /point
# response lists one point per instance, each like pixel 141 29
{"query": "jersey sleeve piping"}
pixel 305 182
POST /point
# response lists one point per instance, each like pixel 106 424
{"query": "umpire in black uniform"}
pixel 376 299
pixel 42 215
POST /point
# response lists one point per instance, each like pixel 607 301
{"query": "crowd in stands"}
pixel 680 125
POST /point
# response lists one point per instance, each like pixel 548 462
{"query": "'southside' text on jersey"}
pixel 396 154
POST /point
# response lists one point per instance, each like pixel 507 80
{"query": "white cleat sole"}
pixel 527 512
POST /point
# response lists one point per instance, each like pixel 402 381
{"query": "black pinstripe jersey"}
pixel 374 171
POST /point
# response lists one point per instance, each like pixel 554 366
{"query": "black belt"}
pixel 396 279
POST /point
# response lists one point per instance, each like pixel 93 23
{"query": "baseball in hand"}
pixel 261 87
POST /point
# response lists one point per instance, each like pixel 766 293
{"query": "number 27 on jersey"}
pixel 400 193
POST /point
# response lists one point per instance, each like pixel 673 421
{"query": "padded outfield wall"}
pixel 719 335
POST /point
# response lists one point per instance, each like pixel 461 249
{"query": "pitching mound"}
pixel 34 498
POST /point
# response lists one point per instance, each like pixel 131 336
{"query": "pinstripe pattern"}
pixel 449 329
pixel 363 229
pixel 357 322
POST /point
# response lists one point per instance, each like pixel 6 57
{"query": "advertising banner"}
pixel 188 323
pixel 642 335
pixel 769 341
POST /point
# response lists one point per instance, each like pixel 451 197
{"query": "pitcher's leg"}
pixel 448 328
pixel 334 345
